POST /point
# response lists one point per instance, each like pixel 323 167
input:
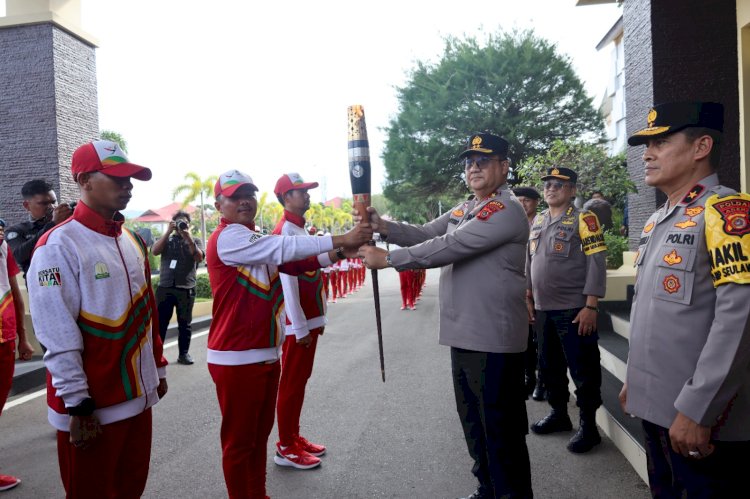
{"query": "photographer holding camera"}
pixel 180 255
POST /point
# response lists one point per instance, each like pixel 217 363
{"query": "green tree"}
pixel 195 188
pixel 596 170
pixel 114 137
pixel 515 85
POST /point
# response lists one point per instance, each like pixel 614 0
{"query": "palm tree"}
pixel 196 188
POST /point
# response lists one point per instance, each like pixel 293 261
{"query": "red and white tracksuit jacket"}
pixel 248 311
pixel 93 308
pixel 304 296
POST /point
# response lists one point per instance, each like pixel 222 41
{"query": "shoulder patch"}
pixel 489 209
pixel 254 237
pixel 592 237
pixel 728 238
pixel 49 277
pixel 11 235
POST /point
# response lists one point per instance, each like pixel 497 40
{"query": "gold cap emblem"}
pixel 555 171
pixel 651 118
pixel 476 142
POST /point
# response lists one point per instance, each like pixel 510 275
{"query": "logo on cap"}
pixel 476 142
pixel 651 118
pixel 555 171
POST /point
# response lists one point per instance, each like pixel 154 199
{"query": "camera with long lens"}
pixel 182 224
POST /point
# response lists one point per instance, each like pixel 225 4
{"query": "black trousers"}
pixel 182 299
pixel 532 356
pixel 560 348
pixel 672 476
pixel 491 402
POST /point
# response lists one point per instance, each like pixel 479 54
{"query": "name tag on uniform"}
pixel 173 264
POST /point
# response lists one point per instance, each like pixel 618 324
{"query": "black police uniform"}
pixel 22 239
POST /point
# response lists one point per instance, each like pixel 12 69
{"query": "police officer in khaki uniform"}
pixel 529 198
pixel 480 246
pixel 566 271
pixel 688 373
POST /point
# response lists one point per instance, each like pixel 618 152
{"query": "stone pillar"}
pixel 48 101
pixel 679 50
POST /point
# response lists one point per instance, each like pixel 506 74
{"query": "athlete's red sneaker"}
pixel 295 457
pixel 7 482
pixel 316 450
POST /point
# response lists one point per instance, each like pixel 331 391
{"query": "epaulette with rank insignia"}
pixel 694 193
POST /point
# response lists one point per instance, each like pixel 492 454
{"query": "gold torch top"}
pixel 357 127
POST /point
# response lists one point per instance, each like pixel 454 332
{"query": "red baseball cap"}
pixel 291 181
pixel 230 181
pixel 107 157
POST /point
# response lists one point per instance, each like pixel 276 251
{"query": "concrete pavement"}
pixel 396 439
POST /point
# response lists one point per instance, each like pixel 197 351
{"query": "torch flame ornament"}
pixel 359 175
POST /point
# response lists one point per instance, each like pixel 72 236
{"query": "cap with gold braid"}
pixel 485 143
pixel 675 116
pixel 561 173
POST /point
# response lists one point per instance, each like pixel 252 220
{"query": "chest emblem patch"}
pixel 694 211
pixel 458 213
pixel 101 271
pixel 685 224
pixel 672 258
pixel 648 228
pixel 671 284
pixel 558 247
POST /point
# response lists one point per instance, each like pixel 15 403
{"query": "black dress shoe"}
pixel 553 422
pixel 482 492
pixel 186 359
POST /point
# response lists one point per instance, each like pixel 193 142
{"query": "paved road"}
pixel 399 439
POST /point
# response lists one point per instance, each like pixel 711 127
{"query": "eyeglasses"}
pixel 482 162
pixel 554 184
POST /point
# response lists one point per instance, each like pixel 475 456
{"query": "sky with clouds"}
pixel 207 86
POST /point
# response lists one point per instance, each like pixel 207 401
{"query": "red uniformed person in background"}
pixel 12 331
pixel 305 305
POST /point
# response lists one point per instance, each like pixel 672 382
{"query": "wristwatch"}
pixel 388 261
pixel 340 253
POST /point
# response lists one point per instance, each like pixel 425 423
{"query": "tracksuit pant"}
pixel 114 465
pixel 7 365
pixel 247 398
pixel 296 368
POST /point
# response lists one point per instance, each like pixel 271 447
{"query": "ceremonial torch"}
pixel 359 175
